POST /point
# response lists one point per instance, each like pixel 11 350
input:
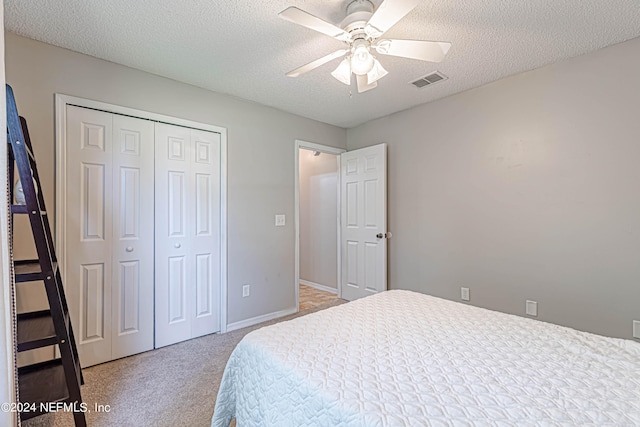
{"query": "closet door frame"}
pixel 60 119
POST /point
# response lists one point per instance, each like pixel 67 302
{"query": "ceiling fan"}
pixel 362 30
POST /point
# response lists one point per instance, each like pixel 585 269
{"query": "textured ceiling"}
pixel 243 48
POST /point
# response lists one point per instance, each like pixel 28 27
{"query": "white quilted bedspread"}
pixel 406 359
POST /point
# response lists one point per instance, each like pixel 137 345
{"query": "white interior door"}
pixel 363 219
pixel 133 233
pixel 187 233
pixel 204 228
pixel 109 233
pixel 88 231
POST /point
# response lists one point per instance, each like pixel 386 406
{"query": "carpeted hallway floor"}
pixel 312 297
pixel 173 386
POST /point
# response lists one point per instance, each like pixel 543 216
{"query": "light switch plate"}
pixel 280 220
pixel 532 308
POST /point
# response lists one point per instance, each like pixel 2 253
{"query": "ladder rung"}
pixel 36 330
pixel 41 383
pixel 29 271
pixel 19 209
pixel 22 209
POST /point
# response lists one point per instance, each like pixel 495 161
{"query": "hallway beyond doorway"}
pixel 312 297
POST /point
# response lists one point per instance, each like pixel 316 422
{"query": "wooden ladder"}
pixel 53 384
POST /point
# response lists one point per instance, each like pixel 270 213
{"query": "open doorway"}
pixel 317 224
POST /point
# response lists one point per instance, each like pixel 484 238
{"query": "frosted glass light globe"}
pixel 361 60
pixel 343 72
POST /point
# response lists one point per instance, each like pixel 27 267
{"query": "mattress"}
pixel 401 358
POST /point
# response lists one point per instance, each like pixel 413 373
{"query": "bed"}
pixel 401 358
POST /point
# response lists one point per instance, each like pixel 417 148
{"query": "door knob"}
pixel 383 235
pixel 129 249
pixel 177 245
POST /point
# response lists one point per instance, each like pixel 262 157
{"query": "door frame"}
pixel 323 149
pixel 60 119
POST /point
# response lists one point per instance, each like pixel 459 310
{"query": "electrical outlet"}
pixel 246 291
pixel 280 220
pixel 532 308
pixel 464 294
pixel 636 329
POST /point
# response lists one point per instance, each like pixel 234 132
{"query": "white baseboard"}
pixel 259 319
pixel 319 286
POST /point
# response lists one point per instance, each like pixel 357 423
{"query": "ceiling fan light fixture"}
pixel 361 59
pixel 362 30
pixel 376 73
pixel 343 72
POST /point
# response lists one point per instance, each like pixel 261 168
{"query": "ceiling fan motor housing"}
pixel 358 14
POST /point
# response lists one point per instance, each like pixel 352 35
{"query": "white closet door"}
pixel 172 272
pixel 109 233
pixel 187 233
pixel 204 223
pixel 133 233
pixel 88 230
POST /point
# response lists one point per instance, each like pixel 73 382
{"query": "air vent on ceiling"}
pixel 429 79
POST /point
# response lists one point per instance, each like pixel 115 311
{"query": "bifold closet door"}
pixel 187 170
pixel 109 233
pixel 133 234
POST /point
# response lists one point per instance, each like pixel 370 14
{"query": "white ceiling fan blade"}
pixel 318 62
pixel 300 17
pixel 414 49
pixel 388 14
pixel 363 84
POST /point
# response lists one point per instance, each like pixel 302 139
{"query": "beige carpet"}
pixel 172 386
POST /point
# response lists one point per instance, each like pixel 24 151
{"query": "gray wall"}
pixel 527 188
pixel 319 218
pixel 260 155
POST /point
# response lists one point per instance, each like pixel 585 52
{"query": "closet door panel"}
pixel 88 204
pixel 205 232
pixel 173 289
pixel 187 233
pixel 133 236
